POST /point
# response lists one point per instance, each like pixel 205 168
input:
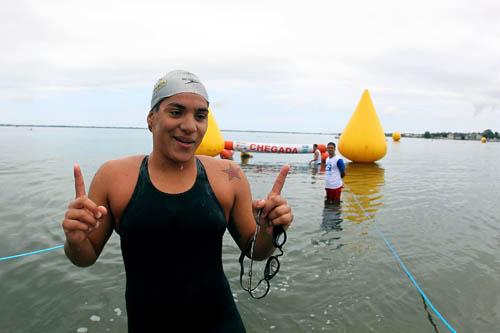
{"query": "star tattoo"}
pixel 232 172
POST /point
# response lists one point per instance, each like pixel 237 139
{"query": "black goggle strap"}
pixel 268 275
pixel 268 286
pixel 250 249
pixel 242 266
pixel 249 289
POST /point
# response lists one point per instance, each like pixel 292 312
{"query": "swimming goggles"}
pixel 272 265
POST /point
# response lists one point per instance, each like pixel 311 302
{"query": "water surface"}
pixel 436 201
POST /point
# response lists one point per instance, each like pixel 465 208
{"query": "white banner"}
pixel 276 148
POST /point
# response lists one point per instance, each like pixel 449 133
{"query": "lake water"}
pixel 436 201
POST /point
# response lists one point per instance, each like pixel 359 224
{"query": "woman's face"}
pixel 178 126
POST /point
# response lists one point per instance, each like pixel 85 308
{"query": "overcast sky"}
pixel 267 65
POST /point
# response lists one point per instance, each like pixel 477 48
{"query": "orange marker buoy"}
pixel 226 154
pixel 324 156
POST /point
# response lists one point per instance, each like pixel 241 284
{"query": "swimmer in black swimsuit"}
pixel 171 209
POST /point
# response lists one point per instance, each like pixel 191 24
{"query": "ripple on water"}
pixel 435 201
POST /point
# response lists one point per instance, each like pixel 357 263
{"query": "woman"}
pixel 171 209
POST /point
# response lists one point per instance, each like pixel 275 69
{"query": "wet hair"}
pixel 157 106
pixel 331 144
pixel 154 110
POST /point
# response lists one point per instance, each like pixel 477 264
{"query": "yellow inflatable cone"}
pixel 396 136
pixel 213 142
pixel 363 139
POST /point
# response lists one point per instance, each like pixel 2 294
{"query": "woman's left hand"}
pixel 275 209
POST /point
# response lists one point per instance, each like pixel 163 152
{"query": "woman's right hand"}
pixel 83 215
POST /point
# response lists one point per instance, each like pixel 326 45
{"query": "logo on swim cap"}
pixel 160 84
pixel 188 81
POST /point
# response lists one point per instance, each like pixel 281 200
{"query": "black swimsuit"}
pixel 172 250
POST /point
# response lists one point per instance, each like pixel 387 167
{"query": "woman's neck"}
pixel 165 164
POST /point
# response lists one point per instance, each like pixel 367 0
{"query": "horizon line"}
pixel 223 130
pixel 140 128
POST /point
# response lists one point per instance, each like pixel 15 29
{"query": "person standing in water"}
pixel 316 161
pixel 171 209
pixel 245 156
pixel 334 172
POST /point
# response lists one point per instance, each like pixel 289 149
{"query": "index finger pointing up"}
pixel 79 184
pixel 280 180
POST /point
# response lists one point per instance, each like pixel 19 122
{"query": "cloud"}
pixel 482 108
pixel 420 59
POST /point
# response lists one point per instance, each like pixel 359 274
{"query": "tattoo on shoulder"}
pixel 232 172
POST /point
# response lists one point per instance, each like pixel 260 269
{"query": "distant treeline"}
pixel 488 134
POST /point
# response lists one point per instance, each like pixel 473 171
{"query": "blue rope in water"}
pixel 406 270
pixel 391 248
pixel 31 253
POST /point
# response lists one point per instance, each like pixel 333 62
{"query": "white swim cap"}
pixel 176 82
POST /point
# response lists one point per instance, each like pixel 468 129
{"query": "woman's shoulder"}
pixel 121 165
pixel 225 178
pixel 217 168
pixel 213 162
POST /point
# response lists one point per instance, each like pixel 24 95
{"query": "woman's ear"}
pixel 150 121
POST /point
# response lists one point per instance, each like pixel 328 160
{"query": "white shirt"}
pixel 318 157
pixel 333 178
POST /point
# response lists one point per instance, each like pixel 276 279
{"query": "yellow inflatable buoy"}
pixel 363 139
pixel 213 142
pixel 483 139
pixel 396 136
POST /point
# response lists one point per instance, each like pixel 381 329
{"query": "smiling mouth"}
pixel 184 141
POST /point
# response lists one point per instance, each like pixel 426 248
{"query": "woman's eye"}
pixel 201 116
